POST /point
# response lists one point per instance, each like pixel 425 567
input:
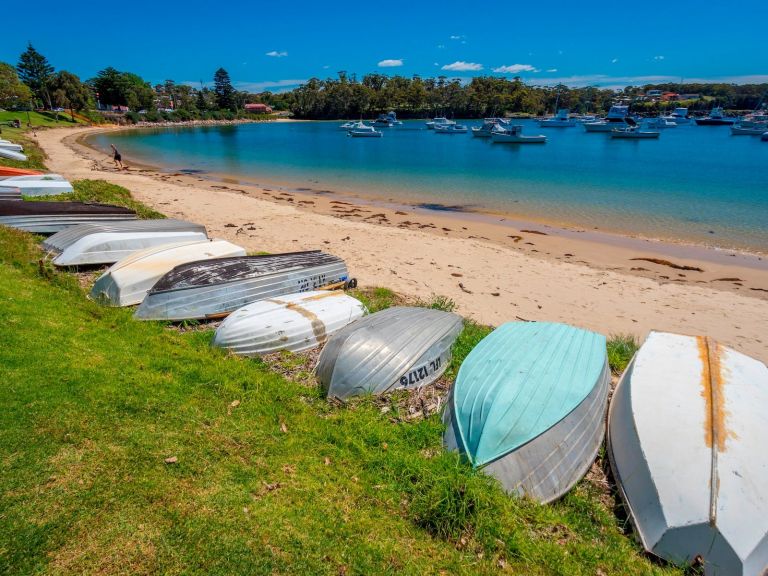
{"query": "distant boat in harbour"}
pixel 488 126
pixel 451 129
pixel 387 120
pixel 439 121
pixel 514 135
pixel 616 118
pixel 660 123
pixel 362 130
pixel 559 120
pixel 679 116
pixel 633 132
pixel 715 118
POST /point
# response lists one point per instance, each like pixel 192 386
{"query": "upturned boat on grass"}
pixel 8 145
pixel 12 154
pixel 686 441
pixel 39 184
pixel 8 171
pixel 528 406
pixel 293 322
pixel 10 193
pixel 216 288
pixel 106 243
pixel 52 217
pixel 396 348
pixel 126 283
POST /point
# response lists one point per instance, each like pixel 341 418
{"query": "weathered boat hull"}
pixel 686 441
pixel 109 243
pixel 217 288
pixel 294 322
pixel 126 283
pixel 9 193
pixel 528 407
pixel 12 154
pixel 396 348
pixel 52 217
pixel 40 187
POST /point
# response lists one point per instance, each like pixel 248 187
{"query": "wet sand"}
pixel 495 267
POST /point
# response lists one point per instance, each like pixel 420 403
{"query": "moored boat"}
pixel 107 243
pixel 450 129
pixel 559 120
pixel 716 118
pixel 528 406
pixel 634 133
pixel 52 217
pixel 396 348
pixel 679 116
pixel 686 442
pixel 754 129
pixel 489 124
pixel 216 288
pixel 293 322
pixel 659 123
pixel 616 118
pixel 514 135
pixel 362 130
pixel 439 121
pixel 127 282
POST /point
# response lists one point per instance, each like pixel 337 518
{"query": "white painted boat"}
pixel 364 131
pixel 11 146
pixel 107 243
pixel 39 185
pixel 528 406
pixel 659 123
pixel 293 322
pixel 679 116
pixel 25 177
pixel 616 118
pixel 749 130
pixel 514 135
pixel 397 348
pixel 633 133
pixel 489 125
pixel 687 428
pixel 128 281
pixel 12 155
pixel 450 129
pixel 559 120
pixel 439 121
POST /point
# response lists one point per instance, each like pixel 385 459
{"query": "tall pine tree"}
pixel 225 93
pixel 35 71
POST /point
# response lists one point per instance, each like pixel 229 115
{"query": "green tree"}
pixel 68 92
pixel 117 88
pixel 13 92
pixel 225 93
pixel 35 71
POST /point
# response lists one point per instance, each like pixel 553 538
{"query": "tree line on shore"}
pixel 33 82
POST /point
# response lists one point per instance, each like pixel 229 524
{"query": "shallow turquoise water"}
pixel 694 183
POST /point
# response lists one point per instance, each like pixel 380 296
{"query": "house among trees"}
pixel 258 109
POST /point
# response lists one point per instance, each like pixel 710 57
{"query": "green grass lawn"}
pixel 265 476
pixel 35 156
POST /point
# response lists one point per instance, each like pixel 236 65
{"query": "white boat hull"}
pixel 603 126
pixel 294 322
pixel 12 155
pixel 40 187
pixel 128 281
pixel 686 428
pixel 502 138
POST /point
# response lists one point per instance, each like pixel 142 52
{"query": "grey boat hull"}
pixel 219 297
pixel 396 348
pixel 53 223
pixel 10 193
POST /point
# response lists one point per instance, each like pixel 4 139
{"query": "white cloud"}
pixel 441 46
pixel 552 70
pixel 515 69
pixel 457 37
pixel 658 57
pixel 271 85
pixel 613 61
pixel 391 63
pixel 326 67
pixel 461 66
pixel 276 54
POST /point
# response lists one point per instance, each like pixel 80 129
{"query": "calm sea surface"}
pixel 695 183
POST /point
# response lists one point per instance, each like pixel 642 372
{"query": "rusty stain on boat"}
pixel 712 383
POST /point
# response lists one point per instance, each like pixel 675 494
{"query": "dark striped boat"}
pixel 215 288
pixel 52 217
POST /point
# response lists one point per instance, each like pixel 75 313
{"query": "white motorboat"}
pixel 488 126
pixel 451 129
pixel 659 123
pixel 439 121
pixel 633 133
pixel 716 118
pixel 559 120
pixel 514 135
pixel 752 129
pixel 364 131
pixel 387 120
pixel 349 125
pixel 616 118
pixel 679 116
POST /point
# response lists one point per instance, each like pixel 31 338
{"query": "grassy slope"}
pixel 35 156
pixel 281 482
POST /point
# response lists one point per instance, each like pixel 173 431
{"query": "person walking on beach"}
pixel 117 158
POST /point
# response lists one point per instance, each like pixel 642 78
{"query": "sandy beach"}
pixel 495 271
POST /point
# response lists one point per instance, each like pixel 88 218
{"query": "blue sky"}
pixel 279 45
